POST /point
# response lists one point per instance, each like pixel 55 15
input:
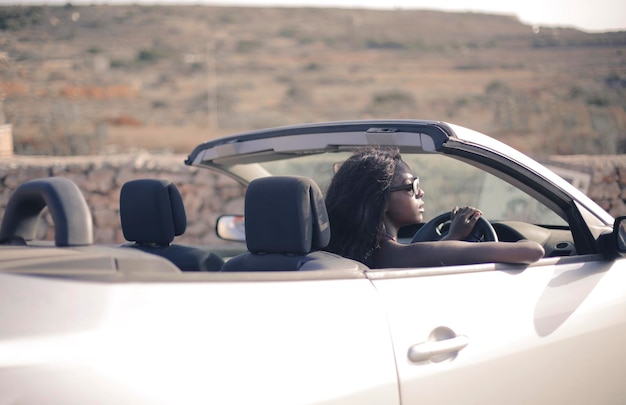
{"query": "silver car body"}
pixel 140 331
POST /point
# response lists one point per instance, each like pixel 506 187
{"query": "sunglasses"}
pixel 414 187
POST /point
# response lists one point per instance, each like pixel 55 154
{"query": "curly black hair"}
pixel 356 200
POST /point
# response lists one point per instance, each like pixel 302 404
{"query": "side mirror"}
pixel 231 227
pixel 614 244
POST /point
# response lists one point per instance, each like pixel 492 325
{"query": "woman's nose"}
pixel 420 193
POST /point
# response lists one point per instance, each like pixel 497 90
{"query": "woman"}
pixel 374 194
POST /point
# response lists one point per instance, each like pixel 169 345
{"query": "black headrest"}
pixel 73 225
pixel 151 211
pixel 285 214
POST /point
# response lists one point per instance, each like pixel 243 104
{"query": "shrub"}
pixel 16 18
pixel 391 102
pixel 149 55
pixel 245 46
pixel 392 97
pixel 377 44
pixel 598 100
pixel 497 87
pixel 312 67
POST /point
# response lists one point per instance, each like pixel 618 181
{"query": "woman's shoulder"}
pixel 391 253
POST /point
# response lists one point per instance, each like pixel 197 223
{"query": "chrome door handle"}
pixel 438 350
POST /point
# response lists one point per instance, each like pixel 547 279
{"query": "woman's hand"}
pixel 462 222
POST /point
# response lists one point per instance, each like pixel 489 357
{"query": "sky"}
pixel 587 15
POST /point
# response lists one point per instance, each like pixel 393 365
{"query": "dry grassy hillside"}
pixel 102 79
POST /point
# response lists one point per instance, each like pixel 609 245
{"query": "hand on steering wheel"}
pixel 438 227
pixel 462 221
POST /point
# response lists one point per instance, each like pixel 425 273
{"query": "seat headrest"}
pixel 70 214
pixel 151 211
pixel 285 214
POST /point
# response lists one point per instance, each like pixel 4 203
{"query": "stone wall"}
pixel 606 178
pixel 207 195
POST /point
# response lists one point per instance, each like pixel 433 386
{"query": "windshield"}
pixel 447 183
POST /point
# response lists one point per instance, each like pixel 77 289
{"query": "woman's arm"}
pixel 452 252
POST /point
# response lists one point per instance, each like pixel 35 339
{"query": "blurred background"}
pixel 106 79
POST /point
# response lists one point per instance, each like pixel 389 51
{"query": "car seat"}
pixel 152 214
pixel 286 227
pixel 73 225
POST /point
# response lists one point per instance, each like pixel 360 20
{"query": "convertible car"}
pixel 277 320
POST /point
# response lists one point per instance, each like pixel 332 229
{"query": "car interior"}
pixel 72 250
pixel 514 213
pixel 152 215
pixel 286 226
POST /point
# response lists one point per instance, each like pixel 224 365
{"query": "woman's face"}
pixel 404 207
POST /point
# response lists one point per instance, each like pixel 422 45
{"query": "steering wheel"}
pixel 437 228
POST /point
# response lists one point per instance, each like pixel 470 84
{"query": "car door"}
pixel 502 334
pixel 212 338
